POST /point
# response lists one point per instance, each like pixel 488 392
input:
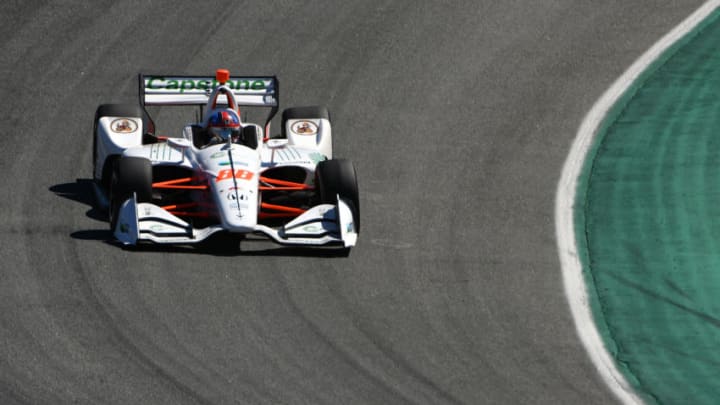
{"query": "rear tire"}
pixel 130 175
pixel 338 176
pixel 119 110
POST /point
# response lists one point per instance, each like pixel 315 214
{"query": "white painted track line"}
pixel 575 288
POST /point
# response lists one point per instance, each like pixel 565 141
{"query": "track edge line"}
pixel 571 266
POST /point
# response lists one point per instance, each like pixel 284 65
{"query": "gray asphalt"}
pixel 458 116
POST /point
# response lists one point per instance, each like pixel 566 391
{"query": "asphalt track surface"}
pixel 458 117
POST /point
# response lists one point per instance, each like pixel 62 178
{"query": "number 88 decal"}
pixel 241 174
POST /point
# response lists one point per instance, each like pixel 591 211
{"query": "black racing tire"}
pixel 313 112
pixel 111 110
pixel 338 176
pixel 250 136
pixel 130 175
pixel 119 110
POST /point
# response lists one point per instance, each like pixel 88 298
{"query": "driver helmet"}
pixel 224 124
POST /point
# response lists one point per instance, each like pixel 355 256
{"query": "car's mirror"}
pixel 179 142
pixel 277 143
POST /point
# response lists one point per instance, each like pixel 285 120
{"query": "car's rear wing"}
pixel 253 91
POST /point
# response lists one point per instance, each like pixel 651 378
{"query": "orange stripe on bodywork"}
pixel 178 184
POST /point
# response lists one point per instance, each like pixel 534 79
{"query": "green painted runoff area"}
pixel 648 223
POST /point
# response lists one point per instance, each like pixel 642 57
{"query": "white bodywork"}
pixel 321 225
pixel 231 172
pixel 313 133
pixel 114 135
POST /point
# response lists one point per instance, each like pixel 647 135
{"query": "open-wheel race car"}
pixel 222 175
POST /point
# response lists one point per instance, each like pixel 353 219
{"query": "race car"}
pixel 222 175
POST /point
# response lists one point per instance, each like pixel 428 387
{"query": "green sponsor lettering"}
pixel 186 85
pixel 150 82
pixel 240 85
pixel 181 85
pixel 203 84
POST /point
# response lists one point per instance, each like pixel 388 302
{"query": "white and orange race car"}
pixel 222 176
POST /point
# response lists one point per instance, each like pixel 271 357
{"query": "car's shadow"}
pixel 209 249
pixel 82 191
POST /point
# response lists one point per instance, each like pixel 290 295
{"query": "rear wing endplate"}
pixel 250 91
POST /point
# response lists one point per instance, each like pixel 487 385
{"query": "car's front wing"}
pixel 320 225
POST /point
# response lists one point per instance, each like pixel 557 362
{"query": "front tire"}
pixel 130 175
pixel 338 177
